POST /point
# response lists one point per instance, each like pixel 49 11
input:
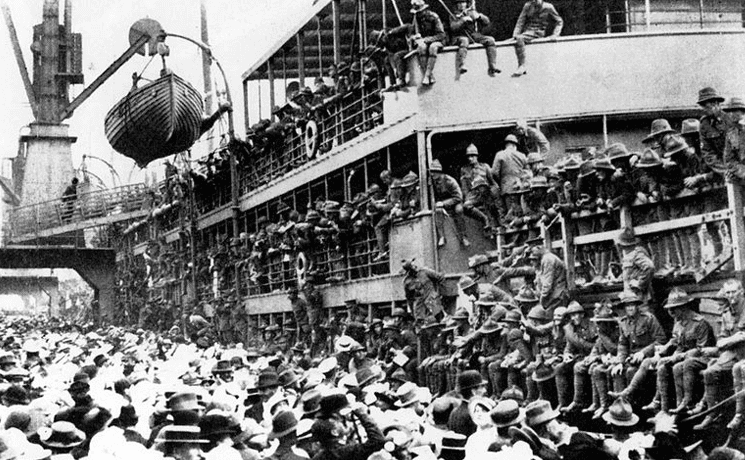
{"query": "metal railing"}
pixel 640 16
pixel 119 201
pixel 358 111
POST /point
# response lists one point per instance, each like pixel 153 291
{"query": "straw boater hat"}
pixel 61 436
pixel 180 434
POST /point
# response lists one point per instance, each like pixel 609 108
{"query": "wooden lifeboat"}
pixel 155 120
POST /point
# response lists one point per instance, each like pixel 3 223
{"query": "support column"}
pixel 47 168
pixel 737 225
pixel 301 58
pixel 270 76
pixel 336 16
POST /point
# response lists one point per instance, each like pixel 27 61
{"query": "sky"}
pixel 239 30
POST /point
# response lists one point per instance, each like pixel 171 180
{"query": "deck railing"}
pixel 88 206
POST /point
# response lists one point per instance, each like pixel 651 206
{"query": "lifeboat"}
pixel 155 120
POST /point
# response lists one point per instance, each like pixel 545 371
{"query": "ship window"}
pixel 336 187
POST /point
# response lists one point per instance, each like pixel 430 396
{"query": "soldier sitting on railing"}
pixel 391 45
pixel 464 24
pixel 713 128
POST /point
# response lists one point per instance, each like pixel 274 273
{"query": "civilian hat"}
pixel 283 424
pixel 539 411
pixel 507 413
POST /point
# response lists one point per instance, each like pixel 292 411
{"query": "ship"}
pixel 617 66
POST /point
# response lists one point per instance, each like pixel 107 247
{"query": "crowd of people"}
pixel 72 391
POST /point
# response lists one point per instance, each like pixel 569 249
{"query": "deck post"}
pixel 737 225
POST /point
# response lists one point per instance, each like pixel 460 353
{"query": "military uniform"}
pixel 431 37
pixel 637 272
pixel 533 23
pixel 421 289
pixel 713 131
pixel 638 333
pixel 509 170
pixel 448 194
pixel 476 182
pixel 580 339
pixel 463 30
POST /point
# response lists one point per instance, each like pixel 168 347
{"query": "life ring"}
pixel 311 139
pixel 301 268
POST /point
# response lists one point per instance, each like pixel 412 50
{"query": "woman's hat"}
pixel 507 413
pixel 180 434
pixel 61 436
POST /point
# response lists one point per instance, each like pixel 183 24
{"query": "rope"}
pixel 714 408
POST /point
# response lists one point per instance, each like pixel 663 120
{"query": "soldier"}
pixel 600 359
pixel 639 332
pixel 421 289
pixel 464 24
pixel 300 311
pixel 498 373
pixel 531 139
pixel 638 267
pixel 407 203
pixel 716 363
pixel 375 337
pixel 690 332
pixel 490 334
pixel 734 152
pixel 429 35
pixel 580 339
pixel 533 23
pixel 509 170
pixel 476 181
pixel 538 325
pixel 713 128
pixel 448 197
pixel 551 278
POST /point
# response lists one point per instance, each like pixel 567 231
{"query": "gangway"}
pixel 91 209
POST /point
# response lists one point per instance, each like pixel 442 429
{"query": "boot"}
pixel 532 388
pixel 602 389
pixel 663 374
pixel 563 390
pixel 579 387
pixel 654 405
pixel 706 423
pixel 429 78
pixel 460 61
pixel 595 399
pixel 683 242
pixel 491 58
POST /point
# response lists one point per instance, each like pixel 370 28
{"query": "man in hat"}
pixel 716 363
pixel 551 280
pixel 478 185
pixel 734 154
pixel 580 339
pixel 470 385
pixel 300 311
pixel 500 371
pixel 531 139
pixel 448 198
pixel 428 37
pixel 639 333
pixel 534 21
pixel 713 128
pixel 571 444
pixel 597 363
pixel 422 292
pixel 637 266
pixel 464 30
pixel 509 170
pixel 332 434
pixel 284 429
pixel 181 442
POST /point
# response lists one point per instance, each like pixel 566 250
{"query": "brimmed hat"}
pixel 486 300
pixel 649 159
pixel 734 103
pixel 183 401
pixel 218 424
pixel 460 314
pixel 620 413
pixel 365 376
pixel 180 434
pixel 222 367
pixel 587 168
pixel 472 150
pixel 452 441
pixel 572 163
pixel 283 424
pixel 526 295
pixel 409 180
pixel 399 375
pixel 512 316
pixel 514 392
pixel 127 416
pixel 61 436
pixel 418 5
pixel 328 365
pixel 659 126
pixel 604 313
pixel 332 403
pixel 708 94
pixel 574 307
pixel 470 379
pixel 627 237
pixel 678 298
pixel 483 402
pixel 616 151
pixel 267 379
pixel 689 126
pixel 542 373
pixel 539 313
pixel 534 157
pixel 538 182
pixel 507 413
pixel 539 411
pixel 673 145
pixel 436 166
pixel 511 138
pixel 466 282
pixel 346 344
pixel 407 394
pixel 16 395
pixel 627 297
pixel 490 326
pixel 287 377
pixel 604 163
pixel 310 402
pixel 477 260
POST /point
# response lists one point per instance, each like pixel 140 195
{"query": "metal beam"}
pixel 101 79
pixel 19 59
